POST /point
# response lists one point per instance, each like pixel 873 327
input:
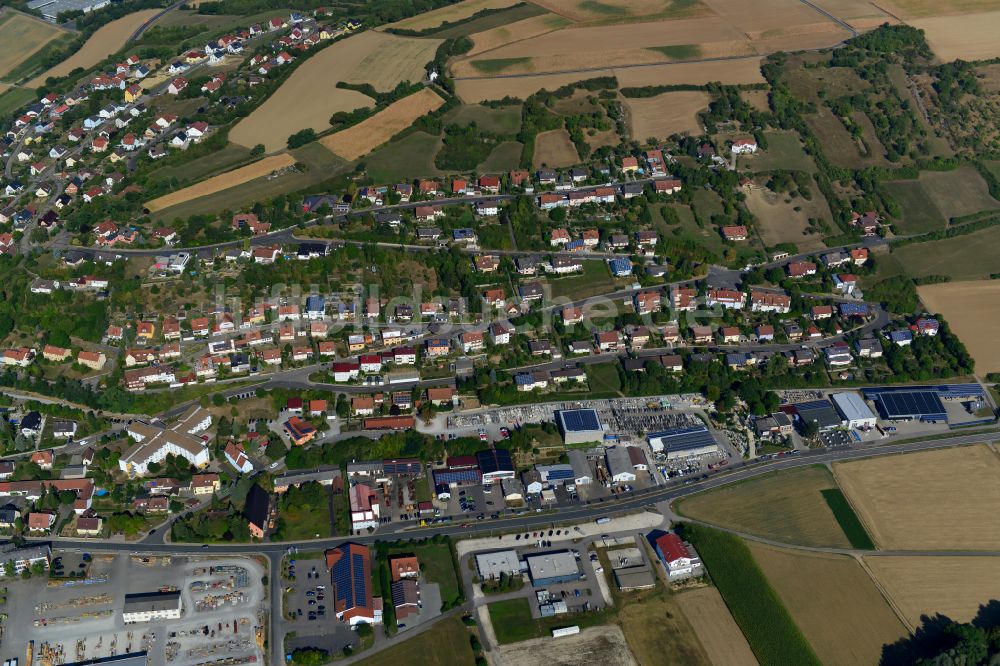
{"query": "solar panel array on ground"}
pixel 924 405
pixel 683 439
pixel 574 420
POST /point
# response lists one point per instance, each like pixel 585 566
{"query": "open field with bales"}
pixel 223 181
pixel 928 202
pixel 944 499
pixel 21 36
pixel 554 149
pixel 973 313
pixel 804 517
pixel 515 32
pixel 449 14
pixel 833 601
pixel 785 219
pixel 924 586
pixel 717 631
pixel 372 132
pixel 968 257
pixel 667 114
pixel 105 41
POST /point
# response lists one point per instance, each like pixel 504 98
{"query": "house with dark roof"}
pixel 256 510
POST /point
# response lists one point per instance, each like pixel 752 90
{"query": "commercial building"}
pixel 14 560
pixel 579 426
pixel 364 507
pixel 683 442
pixel 350 576
pixel 154 444
pixel 496 465
pixel 491 565
pixel 151 606
pixel 678 558
pixel 555 474
pixel 854 410
pixel 820 412
pixel 620 466
pixel 552 568
pixel 908 404
pixel 582 474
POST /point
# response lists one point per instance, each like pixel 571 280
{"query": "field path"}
pixel 885 595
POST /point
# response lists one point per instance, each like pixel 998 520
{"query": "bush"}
pixel 301 138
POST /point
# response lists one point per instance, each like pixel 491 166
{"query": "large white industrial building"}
pixel 854 410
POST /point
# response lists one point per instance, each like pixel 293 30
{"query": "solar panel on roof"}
pixel 580 419
pixel 681 439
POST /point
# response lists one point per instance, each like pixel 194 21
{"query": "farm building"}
pixel 683 442
pixel 854 410
pixel 552 568
pixel 579 426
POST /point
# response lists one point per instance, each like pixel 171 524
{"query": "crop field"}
pixel 910 9
pixel 389 59
pixel 666 114
pixel 499 18
pixel 105 41
pixel 223 181
pixel 226 158
pixel 969 257
pixel 973 313
pixel 929 201
pixel 493 38
pixel 969 37
pixel 932 499
pixel 756 607
pixel 848 520
pixel 717 631
pixel 445 644
pixel 449 14
pixel 372 132
pixel 784 151
pixel 751 506
pixel 783 219
pixel 21 36
pixel 860 14
pixel 554 149
pixel 833 602
pixel 952 586
pixel 505 120
pixel 654 625
pixel 406 159
pixel 612 11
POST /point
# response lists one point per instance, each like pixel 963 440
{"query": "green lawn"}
pixel 318 158
pixel 446 644
pixel 505 120
pixel 603 377
pixel 512 621
pixel 437 564
pixel 303 513
pixel 849 521
pixel 784 151
pixel 757 609
pixel 410 157
pixel 595 279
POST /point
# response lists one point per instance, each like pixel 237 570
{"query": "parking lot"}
pixel 308 608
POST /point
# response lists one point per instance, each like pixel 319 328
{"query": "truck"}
pixel 603 520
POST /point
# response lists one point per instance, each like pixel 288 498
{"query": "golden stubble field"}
pixel 973 313
pixel 21 36
pixel 969 36
pixel 105 41
pixel 666 114
pixel 516 31
pixel 944 499
pixel 371 133
pixel 833 601
pixel 554 149
pixel 785 506
pixel 715 627
pixel 449 14
pixel 953 586
pixel 611 11
pixel 223 181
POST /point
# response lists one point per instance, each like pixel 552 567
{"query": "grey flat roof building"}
pixel 491 565
pixel 552 568
pixel 579 426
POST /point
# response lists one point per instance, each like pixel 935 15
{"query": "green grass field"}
pixel 784 151
pixel 969 257
pixel 495 20
pixel 770 630
pixel 512 621
pixel 226 159
pixel 317 157
pixel 446 644
pixel 505 120
pixel 410 157
pixel 603 377
pixel 436 563
pixel 678 51
pixel 929 201
pixel 595 279
pixel 14 99
pixel 849 521
pixel 497 65
pixel 504 157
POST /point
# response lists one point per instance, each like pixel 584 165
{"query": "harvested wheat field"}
pixel 371 133
pixel 666 114
pixel 449 14
pixel 833 601
pixel 973 313
pixel 597 645
pixel 515 32
pixel 716 629
pixel 785 506
pixel 952 586
pixel 554 149
pixel 969 37
pixel 387 59
pixel 21 36
pixel 860 14
pixel 108 39
pixel 911 9
pixel 615 11
pixel 947 499
pixel 223 181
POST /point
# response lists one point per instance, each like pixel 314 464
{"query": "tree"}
pixel 311 656
pixel 301 138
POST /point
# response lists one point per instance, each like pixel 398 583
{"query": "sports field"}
pixel 222 181
pixel 717 631
pixel 785 506
pixel 105 41
pixel 667 114
pixel 554 149
pixel 449 14
pixel 833 601
pixel 944 499
pixel 952 586
pixel 21 36
pixel 371 133
pixel 973 313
